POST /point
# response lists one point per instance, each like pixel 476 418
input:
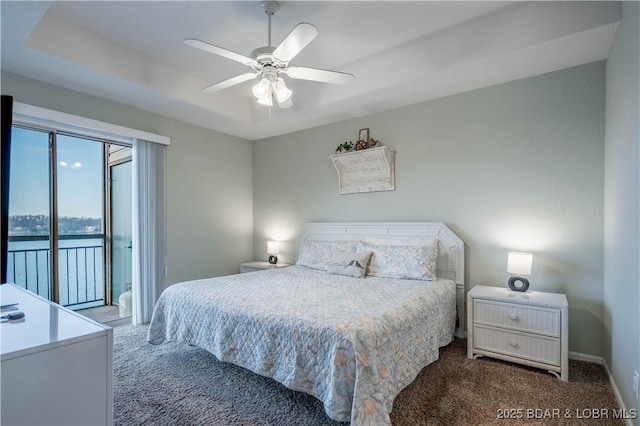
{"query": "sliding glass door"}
pixel 29 233
pixel 80 217
pixel 56 235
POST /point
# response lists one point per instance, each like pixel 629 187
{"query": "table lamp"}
pixel 273 248
pixel 519 264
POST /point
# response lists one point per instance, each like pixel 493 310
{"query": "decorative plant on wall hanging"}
pixel 344 147
pixel 363 142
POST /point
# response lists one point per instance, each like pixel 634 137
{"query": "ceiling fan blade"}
pixel 293 43
pixel 324 76
pixel 231 82
pixel 207 47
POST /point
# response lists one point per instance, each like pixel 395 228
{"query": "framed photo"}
pixel 363 134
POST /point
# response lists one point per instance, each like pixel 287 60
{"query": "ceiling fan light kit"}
pixel 271 86
pixel 272 63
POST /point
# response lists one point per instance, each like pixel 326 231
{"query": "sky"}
pixel 80 183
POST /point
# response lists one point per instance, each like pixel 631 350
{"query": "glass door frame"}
pixel 108 291
pixel 53 216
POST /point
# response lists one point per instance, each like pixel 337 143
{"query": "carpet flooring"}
pixel 175 384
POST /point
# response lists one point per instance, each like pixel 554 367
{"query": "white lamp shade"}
pixel 265 101
pixel 519 263
pixel 273 247
pixel 283 93
pixel 261 89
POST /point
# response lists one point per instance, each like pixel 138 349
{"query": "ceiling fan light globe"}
pixel 283 93
pixel 261 89
pixel 266 100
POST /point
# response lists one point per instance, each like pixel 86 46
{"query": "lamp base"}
pixel 273 259
pixel 513 283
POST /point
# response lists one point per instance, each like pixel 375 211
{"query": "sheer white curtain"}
pixel 148 227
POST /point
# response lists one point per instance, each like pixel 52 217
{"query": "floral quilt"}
pixel 353 343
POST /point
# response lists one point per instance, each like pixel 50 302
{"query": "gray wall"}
pixel 208 183
pixel 622 200
pixel 517 166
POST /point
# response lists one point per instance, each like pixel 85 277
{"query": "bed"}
pixel 352 342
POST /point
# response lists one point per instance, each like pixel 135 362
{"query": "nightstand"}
pixel 260 266
pixel 530 328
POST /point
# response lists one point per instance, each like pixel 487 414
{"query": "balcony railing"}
pixel 80 268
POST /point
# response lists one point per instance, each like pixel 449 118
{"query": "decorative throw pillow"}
pixel 349 264
pixel 317 254
pixel 407 262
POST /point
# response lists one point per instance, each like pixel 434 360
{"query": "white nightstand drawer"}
pixel 535 348
pixel 517 317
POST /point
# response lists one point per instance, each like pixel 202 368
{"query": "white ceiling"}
pixel 401 52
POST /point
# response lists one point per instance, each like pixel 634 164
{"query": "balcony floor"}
pixel 108 315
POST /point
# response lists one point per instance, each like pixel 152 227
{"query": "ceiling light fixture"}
pixel 266 90
pixel 283 93
pixel 271 85
pixel 272 63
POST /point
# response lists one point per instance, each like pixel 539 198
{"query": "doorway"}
pixel 117 306
pixel 119 199
pixel 70 221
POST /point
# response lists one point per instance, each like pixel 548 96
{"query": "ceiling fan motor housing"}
pixel 267 63
pixel 270 73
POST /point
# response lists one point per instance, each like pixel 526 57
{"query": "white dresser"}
pixel 57 365
pixel 530 328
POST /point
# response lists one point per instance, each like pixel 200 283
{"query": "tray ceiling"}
pixel 401 52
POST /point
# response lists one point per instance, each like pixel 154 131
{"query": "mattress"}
pixel 353 343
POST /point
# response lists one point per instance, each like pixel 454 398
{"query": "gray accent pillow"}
pixel 349 264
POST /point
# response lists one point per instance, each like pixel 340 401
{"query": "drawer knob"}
pixel 513 343
pixel 513 316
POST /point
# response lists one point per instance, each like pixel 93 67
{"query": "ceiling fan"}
pixel 271 63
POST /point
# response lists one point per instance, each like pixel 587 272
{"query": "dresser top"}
pixel 45 323
pixel 533 298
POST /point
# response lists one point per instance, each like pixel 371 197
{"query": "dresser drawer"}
pixel 527 346
pixel 517 317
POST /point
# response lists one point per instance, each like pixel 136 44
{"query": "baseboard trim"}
pixel 600 360
pixel 584 357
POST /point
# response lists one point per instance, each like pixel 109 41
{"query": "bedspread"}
pixel 353 343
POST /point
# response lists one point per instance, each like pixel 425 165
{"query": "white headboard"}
pixel 450 246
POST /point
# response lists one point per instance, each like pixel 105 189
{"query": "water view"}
pixel 80 268
pixel 92 188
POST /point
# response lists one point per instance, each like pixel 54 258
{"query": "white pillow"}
pixel 317 254
pixel 404 261
pixel 349 264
